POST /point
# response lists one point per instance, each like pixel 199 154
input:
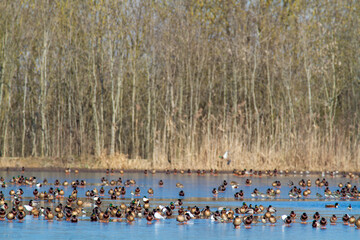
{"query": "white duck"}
pixel 157 215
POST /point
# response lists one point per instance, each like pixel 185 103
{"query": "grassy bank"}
pixel 313 159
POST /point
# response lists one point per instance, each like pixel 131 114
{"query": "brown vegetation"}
pixel 178 83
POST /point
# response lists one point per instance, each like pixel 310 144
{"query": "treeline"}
pixel 275 82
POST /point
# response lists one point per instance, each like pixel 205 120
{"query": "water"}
pixel 197 192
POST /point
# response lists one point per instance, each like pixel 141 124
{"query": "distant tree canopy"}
pixel 179 80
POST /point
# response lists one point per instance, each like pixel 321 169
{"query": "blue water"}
pixel 197 192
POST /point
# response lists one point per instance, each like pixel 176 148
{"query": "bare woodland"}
pixel 177 83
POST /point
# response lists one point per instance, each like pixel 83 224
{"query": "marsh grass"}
pixel 302 154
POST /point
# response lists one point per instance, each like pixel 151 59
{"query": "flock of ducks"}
pixel 53 205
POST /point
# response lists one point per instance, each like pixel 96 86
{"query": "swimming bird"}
pixel 336 205
pixel 272 219
pixel 292 215
pixel 248 182
pixel 287 220
pixel 316 216
pixel 319 195
pixel 181 218
pixel 10 216
pixel 352 220
pixel 304 217
pixel 2 214
pixel 315 224
pixel 248 220
pixel 150 191
pixel 215 217
pixel 28 208
pixel 345 219
pixel 357 223
pixel 323 222
pixel 237 222
pixel 271 209
pixel 158 216
pixel 333 219
pixel 145 199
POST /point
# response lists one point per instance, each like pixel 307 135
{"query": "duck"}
pixel 149 218
pixel 352 220
pixel 150 191
pixel 316 216
pixel 333 219
pixel 271 209
pixel 74 219
pixel 106 216
pixel 59 216
pixel 247 221
pixel 323 222
pixel 181 218
pixel 122 191
pixel 349 207
pixel 345 219
pixel 10 216
pixel 237 222
pixel 93 217
pixel 234 184
pixel 178 202
pixel 214 191
pixel 145 199
pixel 287 219
pixel 221 188
pixel 216 217
pixel 207 212
pixel 2 214
pixel 50 216
pixel 357 223
pixel 21 215
pixel 161 183
pixel 292 215
pixel 158 216
pixel 250 210
pixel 315 224
pixel 304 217
pixel 137 191
pixel 272 219
pixel 98 201
pixel 188 216
pixel 35 212
pixel 336 205
pixel 102 191
pixel 181 193
pixel 179 185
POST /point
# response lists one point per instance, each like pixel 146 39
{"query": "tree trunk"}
pixel 94 106
pixel 24 114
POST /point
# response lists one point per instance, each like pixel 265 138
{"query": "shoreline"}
pixel 193 171
pixel 100 164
